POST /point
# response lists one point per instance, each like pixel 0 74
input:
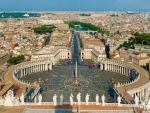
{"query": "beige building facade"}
pixel 92 54
pixel 53 55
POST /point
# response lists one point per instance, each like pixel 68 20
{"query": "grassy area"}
pixel 138 45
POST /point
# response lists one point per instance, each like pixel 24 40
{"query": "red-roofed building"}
pixel 14 45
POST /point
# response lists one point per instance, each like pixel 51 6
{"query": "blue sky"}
pixel 74 5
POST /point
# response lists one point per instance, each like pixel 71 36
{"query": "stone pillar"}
pixel 31 69
pixel 50 66
pixel 112 67
pixel 108 67
pixel 35 68
pixel 127 71
pixel 24 72
pixel 137 94
pixel 142 93
pixel 27 70
pixel 115 68
pixel 101 66
pixel 124 70
pixel 21 72
pixel 120 69
pixel 46 68
pixel 41 67
pixel 38 68
pixel 105 66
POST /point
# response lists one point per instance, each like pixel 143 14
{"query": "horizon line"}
pixel 146 10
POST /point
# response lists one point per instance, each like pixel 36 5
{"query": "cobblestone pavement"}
pixel 91 80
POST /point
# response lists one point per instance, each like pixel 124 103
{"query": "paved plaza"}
pixel 61 79
pixel 91 80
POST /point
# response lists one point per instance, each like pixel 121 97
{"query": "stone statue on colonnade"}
pixel 55 99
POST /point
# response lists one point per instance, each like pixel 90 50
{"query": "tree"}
pixel 107 33
pixel 14 60
pixel 44 37
pixel 44 29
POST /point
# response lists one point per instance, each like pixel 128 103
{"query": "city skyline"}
pixel 72 5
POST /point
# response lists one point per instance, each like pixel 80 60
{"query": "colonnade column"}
pixel 21 72
pixel 126 71
pixel 101 66
pixel 24 72
pixel 46 68
pixel 105 66
pixel 43 67
pixel 121 70
pixel 38 68
pixel 50 66
pixel 31 69
pixel 110 67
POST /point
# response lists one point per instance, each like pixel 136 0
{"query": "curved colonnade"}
pixel 29 68
pixel 139 84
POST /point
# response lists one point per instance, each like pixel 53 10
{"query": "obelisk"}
pixel 76 71
pixel 76 74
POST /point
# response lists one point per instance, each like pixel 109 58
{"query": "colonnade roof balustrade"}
pixel 143 79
